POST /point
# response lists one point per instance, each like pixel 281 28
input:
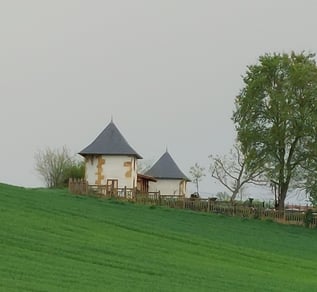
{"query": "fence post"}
pixel 85 187
pixel 70 185
pixel 75 186
pixel 134 194
pixel 80 186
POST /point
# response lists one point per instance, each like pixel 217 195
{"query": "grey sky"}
pixel 168 72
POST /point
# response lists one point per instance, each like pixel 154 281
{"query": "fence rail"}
pixel 288 216
pixel 80 186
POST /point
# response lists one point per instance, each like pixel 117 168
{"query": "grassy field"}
pixel 53 241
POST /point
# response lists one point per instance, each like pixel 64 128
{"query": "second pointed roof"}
pixel 110 142
pixel 166 168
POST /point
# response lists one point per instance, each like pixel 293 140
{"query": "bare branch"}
pixel 230 172
pixel 197 173
pixel 51 164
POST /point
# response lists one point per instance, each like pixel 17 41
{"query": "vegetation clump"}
pixel 308 218
pixel 57 166
pixel 275 118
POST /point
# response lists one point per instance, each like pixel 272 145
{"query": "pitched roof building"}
pixel 170 179
pixel 110 160
pixel 111 163
pixel 166 168
pixel 110 142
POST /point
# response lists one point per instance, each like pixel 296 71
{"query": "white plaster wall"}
pixel 90 169
pixel 113 168
pixel 166 186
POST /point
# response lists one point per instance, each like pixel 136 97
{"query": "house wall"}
pixel 100 168
pixel 168 186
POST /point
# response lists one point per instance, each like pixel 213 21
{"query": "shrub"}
pixel 56 166
pixel 308 218
pixel 74 170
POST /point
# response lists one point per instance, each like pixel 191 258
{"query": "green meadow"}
pixel 51 240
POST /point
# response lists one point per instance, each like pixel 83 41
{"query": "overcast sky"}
pixel 167 71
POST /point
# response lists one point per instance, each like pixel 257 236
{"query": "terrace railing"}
pixel 80 186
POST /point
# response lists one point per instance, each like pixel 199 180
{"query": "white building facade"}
pixel 170 180
pixel 118 171
pixel 110 160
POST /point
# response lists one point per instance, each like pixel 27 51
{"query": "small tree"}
pixel 223 196
pixel 53 165
pixel 144 165
pixel 197 173
pixel 231 172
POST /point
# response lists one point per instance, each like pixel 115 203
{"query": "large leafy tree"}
pixel 276 118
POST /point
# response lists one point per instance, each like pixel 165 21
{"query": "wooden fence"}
pixel 210 205
pixel 294 217
pixel 81 187
pixel 78 186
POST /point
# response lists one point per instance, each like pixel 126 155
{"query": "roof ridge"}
pixel 166 167
pixel 110 142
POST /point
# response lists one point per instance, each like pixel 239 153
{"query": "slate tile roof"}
pixel 110 142
pixel 166 168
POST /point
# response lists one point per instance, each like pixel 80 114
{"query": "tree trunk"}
pixel 282 196
pixel 234 195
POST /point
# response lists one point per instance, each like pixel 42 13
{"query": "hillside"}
pixel 53 241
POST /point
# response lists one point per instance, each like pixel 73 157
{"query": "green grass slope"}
pixel 53 241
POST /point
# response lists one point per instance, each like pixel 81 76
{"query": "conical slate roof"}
pixel 110 142
pixel 166 168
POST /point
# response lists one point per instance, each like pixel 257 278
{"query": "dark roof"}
pixel 166 168
pixel 109 142
pixel 146 177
